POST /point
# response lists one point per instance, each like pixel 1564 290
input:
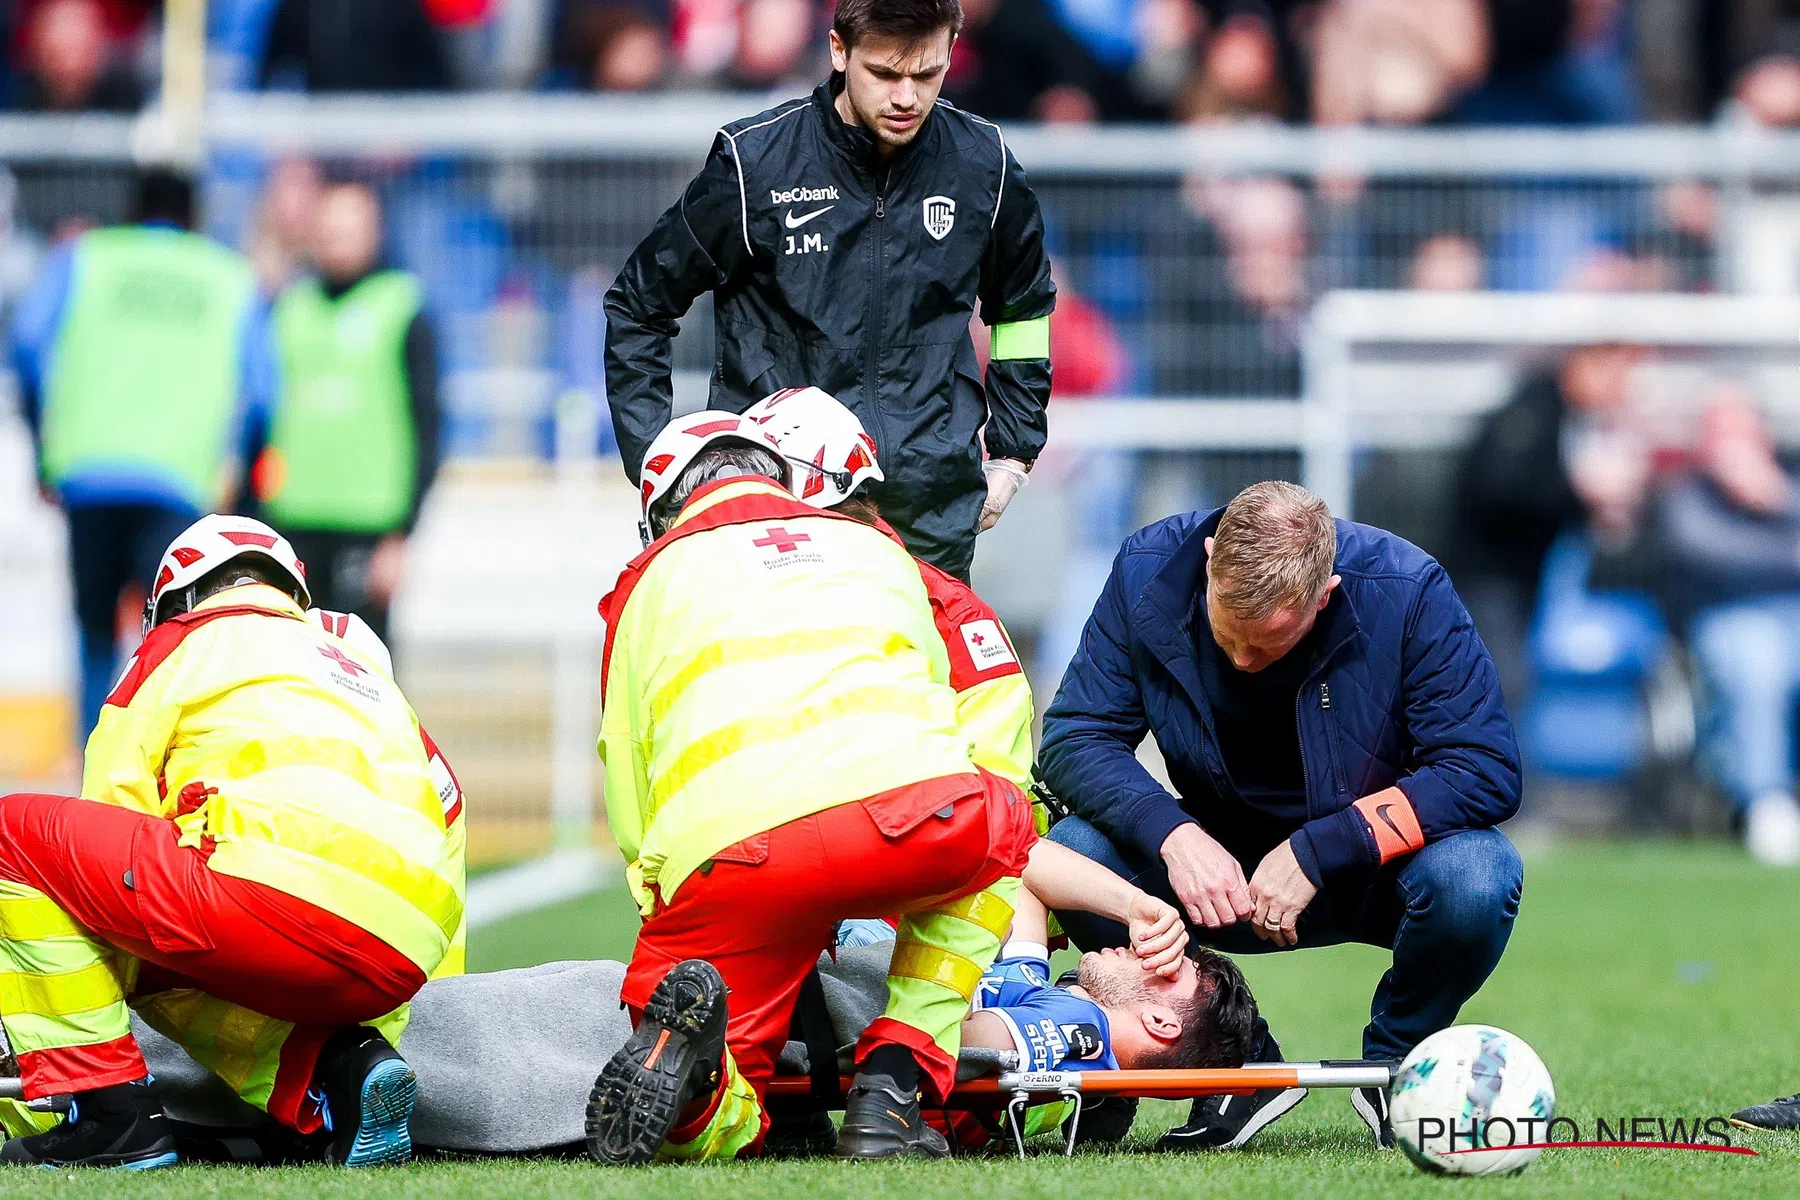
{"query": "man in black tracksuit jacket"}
pixel 849 256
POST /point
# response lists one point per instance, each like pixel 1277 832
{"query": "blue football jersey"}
pixel 1052 1028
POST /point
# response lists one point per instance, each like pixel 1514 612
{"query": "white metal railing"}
pixel 680 125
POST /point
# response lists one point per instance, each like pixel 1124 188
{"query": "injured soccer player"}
pixel 505 1060
pixel 1162 1003
pixel 1159 1004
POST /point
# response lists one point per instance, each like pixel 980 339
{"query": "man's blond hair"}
pixel 1273 551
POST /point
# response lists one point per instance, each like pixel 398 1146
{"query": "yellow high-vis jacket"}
pixel 993 697
pixel 295 757
pixel 355 632
pixel 765 661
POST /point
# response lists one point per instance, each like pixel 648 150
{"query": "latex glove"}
pixel 1005 476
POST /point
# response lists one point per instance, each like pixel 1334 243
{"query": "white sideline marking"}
pixel 550 879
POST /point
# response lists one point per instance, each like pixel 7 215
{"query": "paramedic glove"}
pixel 1005 476
pixel 863 931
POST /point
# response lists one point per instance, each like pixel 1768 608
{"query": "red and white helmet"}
pixel 832 453
pixel 209 544
pixel 681 442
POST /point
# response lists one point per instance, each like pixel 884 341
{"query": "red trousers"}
pixel 769 905
pixel 123 877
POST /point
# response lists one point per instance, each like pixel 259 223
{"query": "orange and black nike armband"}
pixel 1393 822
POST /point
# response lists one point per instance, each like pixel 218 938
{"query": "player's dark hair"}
pixel 163 195
pixel 721 460
pixel 246 568
pixel 1218 1028
pixel 859 506
pixel 908 20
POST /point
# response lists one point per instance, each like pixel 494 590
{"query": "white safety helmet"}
pixel 681 442
pixel 209 544
pixel 831 452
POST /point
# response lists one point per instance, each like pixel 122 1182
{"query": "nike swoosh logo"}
pixel 1381 810
pixel 794 222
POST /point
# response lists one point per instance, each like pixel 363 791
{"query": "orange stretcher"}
pixel 1015 1091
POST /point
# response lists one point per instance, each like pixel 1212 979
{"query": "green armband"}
pixel 1021 339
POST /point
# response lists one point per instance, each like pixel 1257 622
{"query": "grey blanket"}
pixel 506 1060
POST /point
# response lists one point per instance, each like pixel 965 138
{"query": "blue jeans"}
pixel 1749 655
pixel 1445 911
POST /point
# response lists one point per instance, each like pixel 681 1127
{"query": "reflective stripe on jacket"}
pixel 765 661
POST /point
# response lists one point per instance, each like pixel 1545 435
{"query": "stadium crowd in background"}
pixel 1393 62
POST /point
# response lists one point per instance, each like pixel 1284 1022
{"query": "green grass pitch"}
pixel 1655 979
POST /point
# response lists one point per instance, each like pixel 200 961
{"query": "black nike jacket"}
pixel 833 269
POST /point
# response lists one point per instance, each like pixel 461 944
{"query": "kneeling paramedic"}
pixel 835 466
pixel 260 865
pixel 782 752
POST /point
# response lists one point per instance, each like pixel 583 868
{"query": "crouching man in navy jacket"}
pixel 1340 754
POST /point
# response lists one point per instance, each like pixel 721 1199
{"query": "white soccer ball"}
pixel 1465 1094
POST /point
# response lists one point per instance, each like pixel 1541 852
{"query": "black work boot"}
pixel 122 1127
pixel 882 1120
pixel 799 1135
pixel 369 1094
pixel 676 1056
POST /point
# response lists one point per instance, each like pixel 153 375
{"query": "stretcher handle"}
pixel 997 1090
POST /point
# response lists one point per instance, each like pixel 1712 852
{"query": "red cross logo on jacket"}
pixel 345 663
pixel 783 541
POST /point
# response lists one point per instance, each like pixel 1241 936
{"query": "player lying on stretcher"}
pixel 505 1059
pixel 1161 1004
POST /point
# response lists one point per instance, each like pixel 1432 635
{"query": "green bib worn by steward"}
pixel 343 439
pixel 145 371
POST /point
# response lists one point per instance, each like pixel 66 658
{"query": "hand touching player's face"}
pixel 1116 978
pixel 890 84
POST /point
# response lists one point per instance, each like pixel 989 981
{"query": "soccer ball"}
pixel 1466 1093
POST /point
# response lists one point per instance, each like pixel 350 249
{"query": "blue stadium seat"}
pixel 1594 655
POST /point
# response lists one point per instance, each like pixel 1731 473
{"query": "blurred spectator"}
pixel 21 248
pixel 147 378
pixel 1397 62
pixel 1014 62
pixel 284 220
pixel 1768 91
pixel 354 46
pixel 1728 537
pixel 1239 74
pixel 69 63
pixel 610 48
pixel 1447 262
pixel 1562 453
pixel 1556 62
pixel 778 44
pixel 1266 236
pixel 1210 281
pixel 1749 54
pixel 354 448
